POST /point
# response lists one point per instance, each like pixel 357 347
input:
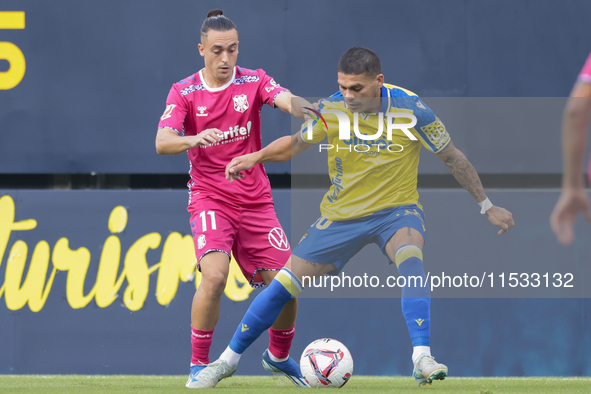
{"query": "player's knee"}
pixel 214 283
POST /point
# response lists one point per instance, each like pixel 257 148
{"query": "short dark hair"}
pixel 360 60
pixel 217 21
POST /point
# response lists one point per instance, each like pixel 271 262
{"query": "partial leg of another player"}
pixel 405 249
pixel 205 311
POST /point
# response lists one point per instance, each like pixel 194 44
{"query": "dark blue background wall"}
pixel 98 72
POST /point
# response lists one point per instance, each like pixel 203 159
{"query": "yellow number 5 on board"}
pixel 10 52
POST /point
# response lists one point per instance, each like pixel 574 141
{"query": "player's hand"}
pixel 562 220
pixel 500 217
pixel 207 137
pixel 240 163
pixel 300 107
pixel 308 109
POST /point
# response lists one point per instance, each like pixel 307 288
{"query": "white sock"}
pixel 418 350
pixel 231 357
pixel 275 359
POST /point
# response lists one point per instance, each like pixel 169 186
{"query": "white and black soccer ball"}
pixel 326 363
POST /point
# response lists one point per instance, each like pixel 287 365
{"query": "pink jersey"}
pixel 234 108
pixel 585 74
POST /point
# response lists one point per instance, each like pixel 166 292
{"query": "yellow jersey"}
pixel 371 175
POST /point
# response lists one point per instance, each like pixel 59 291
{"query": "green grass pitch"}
pixel 115 384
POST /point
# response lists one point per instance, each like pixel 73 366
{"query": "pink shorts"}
pixel 252 234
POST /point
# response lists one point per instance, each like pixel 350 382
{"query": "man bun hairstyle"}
pixel 215 13
pixel 217 21
pixel 360 60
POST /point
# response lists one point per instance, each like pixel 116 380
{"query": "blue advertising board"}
pixel 101 282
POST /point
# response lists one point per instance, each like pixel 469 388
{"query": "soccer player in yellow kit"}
pixel 373 198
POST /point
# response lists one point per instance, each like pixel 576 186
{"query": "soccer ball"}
pixel 326 363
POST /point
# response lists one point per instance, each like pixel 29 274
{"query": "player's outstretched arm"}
pixel 280 150
pixel 292 104
pixel 466 175
pixel 168 142
pixel 573 199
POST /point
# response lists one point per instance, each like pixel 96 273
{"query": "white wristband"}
pixel 485 206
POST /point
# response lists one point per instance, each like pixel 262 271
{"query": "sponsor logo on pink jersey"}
pixel 278 239
pixel 235 133
pixel 167 112
pixel 273 86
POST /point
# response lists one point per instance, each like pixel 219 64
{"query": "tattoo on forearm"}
pixel 311 263
pixel 408 233
pixel 465 174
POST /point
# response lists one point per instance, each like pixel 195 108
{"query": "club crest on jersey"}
pixel 240 103
pixel 201 111
pixel 278 239
pixel 168 112
pixel 201 241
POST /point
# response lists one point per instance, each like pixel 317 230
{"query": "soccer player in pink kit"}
pixel 575 126
pixel 214 115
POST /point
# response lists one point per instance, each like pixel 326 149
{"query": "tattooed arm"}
pixel 462 170
pixel 466 175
